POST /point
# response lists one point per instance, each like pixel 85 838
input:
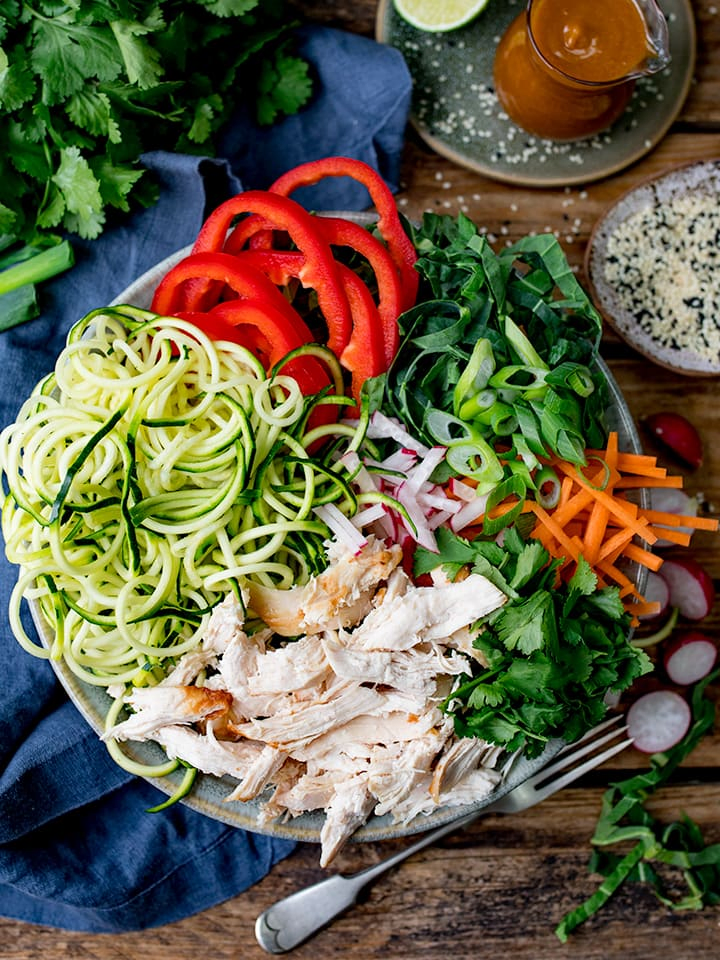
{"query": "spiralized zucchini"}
pixel 148 475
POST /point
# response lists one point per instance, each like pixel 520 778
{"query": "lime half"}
pixel 438 16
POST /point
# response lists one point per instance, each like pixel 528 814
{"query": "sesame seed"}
pixel 661 264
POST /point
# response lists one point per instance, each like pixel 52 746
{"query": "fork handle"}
pixel 291 921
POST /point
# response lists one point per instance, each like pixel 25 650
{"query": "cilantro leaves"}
pixel 86 87
pixel 551 652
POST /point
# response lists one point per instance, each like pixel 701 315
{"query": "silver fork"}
pixel 296 918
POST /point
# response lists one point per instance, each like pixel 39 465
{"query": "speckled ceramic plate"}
pixel 456 112
pixel 209 792
pixel 686 191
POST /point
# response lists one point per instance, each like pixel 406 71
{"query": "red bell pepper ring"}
pixel 364 356
pixel 389 224
pixel 172 294
pixel 345 233
pixel 265 334
pixel 320 271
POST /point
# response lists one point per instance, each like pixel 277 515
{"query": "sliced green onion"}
pixel 513 486
pixel 446 429
pixel 519 377
pixel 573 376
pixel 477 460
pixel 477 404
pixel 522 346
pixel 547 488
pixel 476 374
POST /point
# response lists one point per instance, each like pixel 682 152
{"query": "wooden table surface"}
pixel 501 886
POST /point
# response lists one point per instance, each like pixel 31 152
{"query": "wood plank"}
pixel 501 886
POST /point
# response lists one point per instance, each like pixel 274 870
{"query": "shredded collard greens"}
pixel 500 348
pixel 624 818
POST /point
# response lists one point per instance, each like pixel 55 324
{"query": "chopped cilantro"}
pixel 551 652
pixel 86 87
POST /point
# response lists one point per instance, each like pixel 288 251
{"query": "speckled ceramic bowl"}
pixel 642 284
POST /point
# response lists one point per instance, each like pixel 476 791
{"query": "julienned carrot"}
pixel 676 520
pixel 622 509
pixel 679 537
pixel 571 550
pixel 639 464
pixel 644 557
pixel 634 483
pixel 594 519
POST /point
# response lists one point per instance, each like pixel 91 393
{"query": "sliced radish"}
pixel 678 435
pixel 689 657
pixel 656 591
pixel 672 500
pixel 691 588
pixel 658 720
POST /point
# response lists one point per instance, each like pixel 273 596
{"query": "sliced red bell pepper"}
pixel 172 295
pixel 389 224
pixel 338 232
pixel 265 333
pixel 345 233
pixel 320 270
pixel 364 355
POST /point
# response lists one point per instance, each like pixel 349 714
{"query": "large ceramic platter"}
pixel 209 792
pixel 455 109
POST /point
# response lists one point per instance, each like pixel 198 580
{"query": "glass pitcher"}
pixel 565 69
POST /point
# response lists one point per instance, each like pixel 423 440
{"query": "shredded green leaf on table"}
pixel 624 817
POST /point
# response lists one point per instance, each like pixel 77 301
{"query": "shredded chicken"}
pixel 344 718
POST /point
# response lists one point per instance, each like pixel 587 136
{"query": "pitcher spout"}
pixel 658 39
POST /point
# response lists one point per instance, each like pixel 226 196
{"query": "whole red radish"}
pixel 677 434
pixel 689 656
pixel 691 587
pixel 658 720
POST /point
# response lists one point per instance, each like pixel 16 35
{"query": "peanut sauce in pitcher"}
pixel 565 69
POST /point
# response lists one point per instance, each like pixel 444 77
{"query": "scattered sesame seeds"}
pixel 662 265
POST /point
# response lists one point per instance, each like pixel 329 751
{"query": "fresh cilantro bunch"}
pixel 552 651
pixel 86 86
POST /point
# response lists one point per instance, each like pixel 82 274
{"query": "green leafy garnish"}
pixel 551 652
pixel 625 818
pixel 87 87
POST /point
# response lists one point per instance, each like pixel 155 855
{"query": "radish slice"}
pixel 672 500
pixel 691 588
pixel 658 720
pixel 656 591
pixel 689 657
pixel 678 435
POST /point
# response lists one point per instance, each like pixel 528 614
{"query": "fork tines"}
pixel 586 746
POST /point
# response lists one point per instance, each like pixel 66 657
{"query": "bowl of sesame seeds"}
pixel 653 268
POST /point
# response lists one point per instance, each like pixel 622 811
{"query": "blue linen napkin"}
pixel 77 850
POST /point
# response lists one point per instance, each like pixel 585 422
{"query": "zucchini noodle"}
pixel 150 474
